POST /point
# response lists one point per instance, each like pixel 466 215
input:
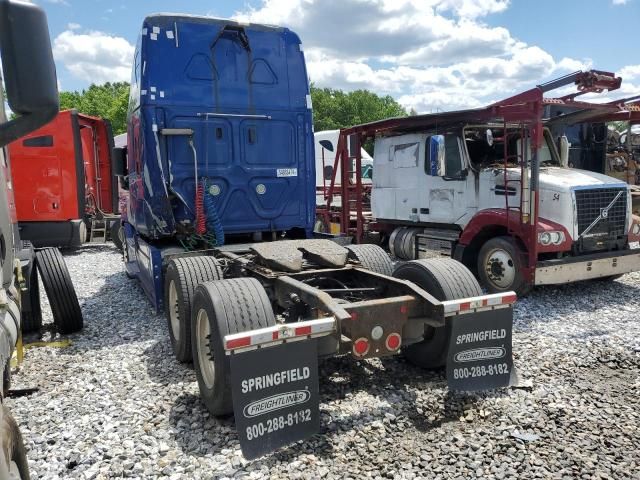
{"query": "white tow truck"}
pixel 489 187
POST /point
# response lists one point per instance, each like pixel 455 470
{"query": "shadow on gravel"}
pixel 196 431
pixel 162 366
pixel 88 248
pixel 117 314
pixel 393 382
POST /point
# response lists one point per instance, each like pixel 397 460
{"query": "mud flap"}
pixel 480 355
pixel 275 396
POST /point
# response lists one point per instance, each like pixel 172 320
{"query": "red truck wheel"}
pixel 182 277
pixel 445 279
pixel 65 308
pixel 219 309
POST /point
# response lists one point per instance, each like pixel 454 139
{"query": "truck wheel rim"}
pixel 205 356
pixel 500 268
pixel 173 310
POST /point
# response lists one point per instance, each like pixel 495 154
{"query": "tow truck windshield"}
pixel 486 147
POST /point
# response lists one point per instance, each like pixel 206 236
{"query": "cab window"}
pixel 452 157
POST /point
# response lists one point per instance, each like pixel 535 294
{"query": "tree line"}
pixel 332 108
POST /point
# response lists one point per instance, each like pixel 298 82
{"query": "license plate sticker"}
pixel 275 396
pixel 480 356
pixel 287 172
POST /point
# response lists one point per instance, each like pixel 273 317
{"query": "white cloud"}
pixel 473 8
pixel 619 2
pixel 630 72
pixel 573 65
pixel 429 54
pixel 74 26
pixel 59 2
pixel 95 57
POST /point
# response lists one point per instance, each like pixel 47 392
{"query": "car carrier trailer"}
pixel 619 157
pixel 220 209
pixel 488 187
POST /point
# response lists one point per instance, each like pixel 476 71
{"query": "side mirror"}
pixel 29 70
pixel 564 151
pixel 119 161
pixel 435 155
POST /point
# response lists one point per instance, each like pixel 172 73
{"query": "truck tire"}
pixel 392 240
pixel 32 318
pixel 65 308
pixel 500 266
pixel 117 234
pixel 402 243
pixel 222 308
pixel 445 279
pixel 30 298
pixel 6 378
pixel 372 257
pixel 182 277
pixel 12 444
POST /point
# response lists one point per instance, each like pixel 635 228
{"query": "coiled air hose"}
pixel 214 224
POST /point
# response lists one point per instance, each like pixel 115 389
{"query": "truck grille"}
pixel 591 204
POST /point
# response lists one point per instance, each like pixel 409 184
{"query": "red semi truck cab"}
pixel 63 179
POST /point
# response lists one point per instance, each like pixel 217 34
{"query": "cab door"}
pixel 444 196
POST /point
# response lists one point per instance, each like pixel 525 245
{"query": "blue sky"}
pixel 428 54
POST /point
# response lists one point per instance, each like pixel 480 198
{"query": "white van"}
pixel 326 143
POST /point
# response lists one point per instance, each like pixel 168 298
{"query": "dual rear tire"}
pixel 445 279
pixel 181 279
pixel 222 308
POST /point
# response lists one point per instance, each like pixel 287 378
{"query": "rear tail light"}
pixel 393 342
pixel 361 347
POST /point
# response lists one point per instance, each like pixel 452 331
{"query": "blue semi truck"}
pixel 220 187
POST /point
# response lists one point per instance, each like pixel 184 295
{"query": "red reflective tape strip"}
pixel 238 343
pixel 509 298
pixel 275 336
pixel 465 306
pixel 303 331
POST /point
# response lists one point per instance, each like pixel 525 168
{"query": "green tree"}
pixel 108 101
pixel 333 109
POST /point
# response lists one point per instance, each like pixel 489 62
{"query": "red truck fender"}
pixel 490 223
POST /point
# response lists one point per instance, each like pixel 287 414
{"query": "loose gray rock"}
pixel 117 404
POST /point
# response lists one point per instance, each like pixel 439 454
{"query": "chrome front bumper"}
pixel 575 269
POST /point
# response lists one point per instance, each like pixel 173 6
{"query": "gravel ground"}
pixel 115 403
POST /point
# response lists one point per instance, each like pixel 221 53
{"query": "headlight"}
pixel 554 237
pixel 544 238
